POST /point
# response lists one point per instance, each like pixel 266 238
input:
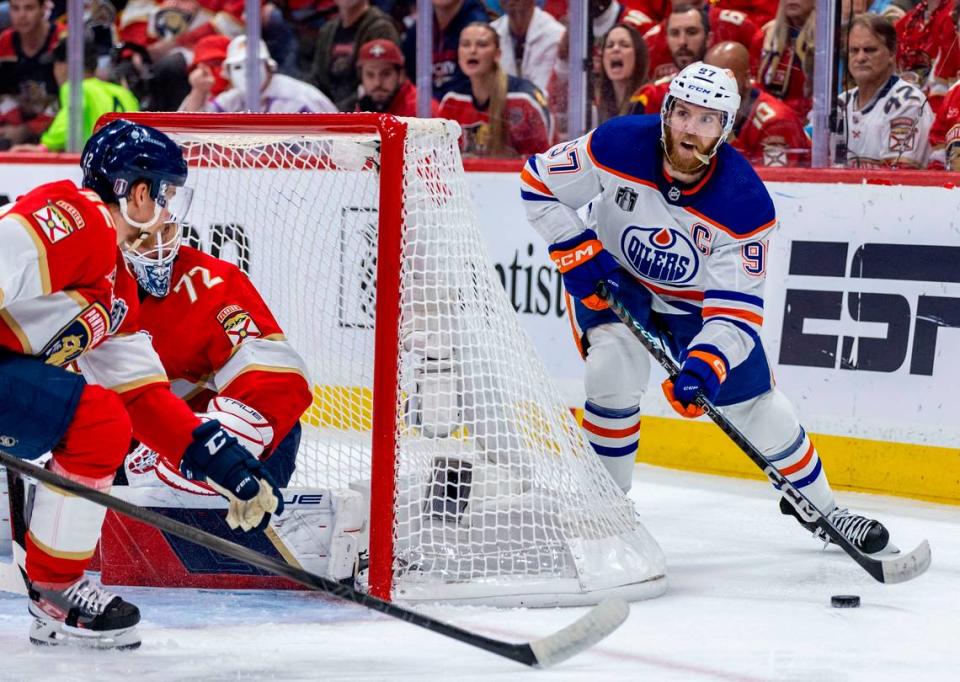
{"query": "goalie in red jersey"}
pixel 66 296
pixel 225 353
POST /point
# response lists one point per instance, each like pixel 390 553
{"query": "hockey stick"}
pixel 13 578
pixel 586 631
pixel 889 570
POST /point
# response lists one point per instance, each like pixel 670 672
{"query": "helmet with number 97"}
pixel 704 86
pixel 116 158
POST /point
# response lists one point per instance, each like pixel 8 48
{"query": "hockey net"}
pixel 428 396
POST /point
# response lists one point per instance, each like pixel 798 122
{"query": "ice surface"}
pixel 749 599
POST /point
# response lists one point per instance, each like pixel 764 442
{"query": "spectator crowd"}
pixel 500 68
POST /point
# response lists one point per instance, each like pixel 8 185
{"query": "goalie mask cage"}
pixel 428 396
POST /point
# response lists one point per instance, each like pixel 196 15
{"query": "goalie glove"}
pixel 218 459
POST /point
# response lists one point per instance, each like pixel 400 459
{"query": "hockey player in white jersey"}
pixel 679 224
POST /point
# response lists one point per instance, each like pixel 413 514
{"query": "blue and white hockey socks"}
pixel 614 434
pixel 770 423
pixel 801 465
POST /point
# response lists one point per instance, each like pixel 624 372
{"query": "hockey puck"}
pixel 845 601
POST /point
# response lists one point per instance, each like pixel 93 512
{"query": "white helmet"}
pixel 706 86
pixel 234 64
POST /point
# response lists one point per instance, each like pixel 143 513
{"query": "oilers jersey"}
pixel 700 250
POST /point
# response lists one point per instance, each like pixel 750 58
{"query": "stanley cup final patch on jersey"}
pixel 238 324
pixel 626 198
pixel 84 331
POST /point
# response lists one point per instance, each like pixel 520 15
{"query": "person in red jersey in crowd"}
pixel 720 25
pixel 606 14
pixel 206 73
pixel 783 54
pixel 384 86
pixel 499 114
pixel 945 133
pixel 766 131
pixel 927 51
pixel 67 297
pixel 687 34
pixel 28 89
pixel 624 70
pixel 162 26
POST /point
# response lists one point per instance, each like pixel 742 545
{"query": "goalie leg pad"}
pixel 770 423
pixel 617 372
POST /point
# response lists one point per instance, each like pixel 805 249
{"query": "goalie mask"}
pixel 114 160
pixel 716 99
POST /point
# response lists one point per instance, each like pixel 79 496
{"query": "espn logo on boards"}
pixel 912 320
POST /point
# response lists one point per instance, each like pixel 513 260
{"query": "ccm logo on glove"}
pixel 565 260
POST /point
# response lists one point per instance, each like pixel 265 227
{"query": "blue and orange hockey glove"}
pixel 584 263
pixel 703 370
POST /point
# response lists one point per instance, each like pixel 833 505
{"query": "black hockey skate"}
pixel 83 614
pixel 867 535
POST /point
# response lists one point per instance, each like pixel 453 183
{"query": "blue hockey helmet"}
pixel 118 156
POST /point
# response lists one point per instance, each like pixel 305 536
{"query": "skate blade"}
pixel 57 634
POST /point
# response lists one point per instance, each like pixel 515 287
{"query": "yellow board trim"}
pixel 922 472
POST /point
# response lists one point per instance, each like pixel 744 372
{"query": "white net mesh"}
pixel 498 495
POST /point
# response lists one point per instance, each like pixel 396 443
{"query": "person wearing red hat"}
pixel 384 87
pixel 206 77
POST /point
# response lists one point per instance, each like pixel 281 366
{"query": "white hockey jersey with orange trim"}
pixel 701 250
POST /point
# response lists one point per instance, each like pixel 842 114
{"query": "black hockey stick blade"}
pixel 895 569
pixel 589 629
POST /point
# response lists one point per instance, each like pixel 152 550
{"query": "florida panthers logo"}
pixel 660 254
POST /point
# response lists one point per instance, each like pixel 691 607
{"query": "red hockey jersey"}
pixel 649 97
pixel 66 296
pixel 945 133
pixel 183 21
pixel 216 336
pixel 30 78
pixel 781 73
pixel 928 48
pixel 526 115
pixel 771 134
pixel 725 24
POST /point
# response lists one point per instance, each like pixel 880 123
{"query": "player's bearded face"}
pixel 691 133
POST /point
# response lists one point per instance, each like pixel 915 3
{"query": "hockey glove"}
pixel 703 372
pixel 584 263
pixel 218 459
